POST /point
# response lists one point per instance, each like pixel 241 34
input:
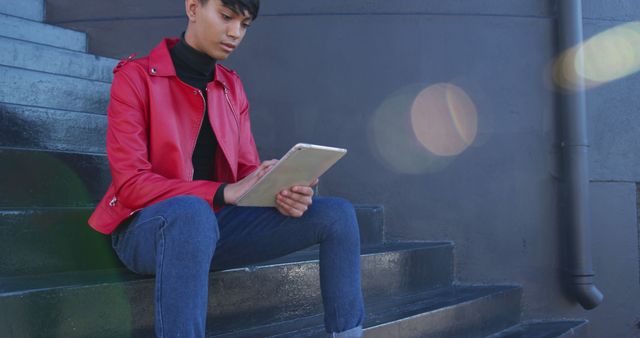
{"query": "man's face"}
pixel 214 29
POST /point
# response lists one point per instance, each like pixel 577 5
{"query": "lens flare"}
pixel 417 130
pixel 444 119
pixel 607 56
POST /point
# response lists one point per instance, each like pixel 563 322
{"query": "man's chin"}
pixel 219 55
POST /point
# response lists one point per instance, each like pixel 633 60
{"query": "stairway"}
pixel 58 278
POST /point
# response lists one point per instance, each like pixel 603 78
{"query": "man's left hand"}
pixel 296 200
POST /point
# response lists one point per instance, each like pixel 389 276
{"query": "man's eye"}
pixel 246 25
pixel 226 17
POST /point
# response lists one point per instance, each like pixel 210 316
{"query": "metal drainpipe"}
pixel 576 166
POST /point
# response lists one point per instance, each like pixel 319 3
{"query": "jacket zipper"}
pixel 235 115
pixel 193 148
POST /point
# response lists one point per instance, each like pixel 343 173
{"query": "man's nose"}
pixel 234 30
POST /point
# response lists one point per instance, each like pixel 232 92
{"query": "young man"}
pixel 181 152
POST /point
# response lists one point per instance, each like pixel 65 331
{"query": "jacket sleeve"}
pixel 248 158
pixel 136 185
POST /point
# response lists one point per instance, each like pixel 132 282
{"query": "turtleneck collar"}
pixel 191 64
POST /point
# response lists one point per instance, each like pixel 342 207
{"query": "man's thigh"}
pixel 137 240
pixel 250 235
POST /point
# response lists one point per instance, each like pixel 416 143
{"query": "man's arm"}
pixel 136 184
pixel 290 202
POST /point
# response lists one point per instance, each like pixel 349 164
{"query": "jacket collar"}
pixel 160 63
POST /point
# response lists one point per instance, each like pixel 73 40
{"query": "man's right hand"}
pixel 233 191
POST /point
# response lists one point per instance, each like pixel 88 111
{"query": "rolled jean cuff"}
pixel 356 332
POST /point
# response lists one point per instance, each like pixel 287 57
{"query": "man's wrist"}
pixel 218 198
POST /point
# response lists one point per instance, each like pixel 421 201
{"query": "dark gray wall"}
pixel 326 71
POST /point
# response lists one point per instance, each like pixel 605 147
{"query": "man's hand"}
pixel 232 192
pixel 295 200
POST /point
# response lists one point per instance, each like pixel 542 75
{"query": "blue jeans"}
pixel 180 240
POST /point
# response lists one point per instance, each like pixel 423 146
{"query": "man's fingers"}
pixel 268 163
pixel 288 210
pixel 264 168
pixel 314 183
pixel 282 210
pixel 292 206
pixel 304 199
pixel 292 203
pixel 302 190
pixel 262 172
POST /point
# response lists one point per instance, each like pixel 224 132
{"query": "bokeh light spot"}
pixel 607 56
pixel 444 119
pixel 417 130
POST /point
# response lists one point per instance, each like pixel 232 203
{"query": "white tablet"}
pixel 299 166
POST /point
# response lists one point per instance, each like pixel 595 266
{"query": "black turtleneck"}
pixel 197 69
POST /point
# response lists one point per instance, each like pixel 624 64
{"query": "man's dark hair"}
pixel 240 6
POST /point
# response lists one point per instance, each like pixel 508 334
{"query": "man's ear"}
pixel 191 7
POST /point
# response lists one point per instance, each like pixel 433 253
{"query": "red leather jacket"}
pixel 153 123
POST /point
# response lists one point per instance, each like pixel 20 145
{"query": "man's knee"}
pixel 191 221
pixel 335 206
pixel 338 216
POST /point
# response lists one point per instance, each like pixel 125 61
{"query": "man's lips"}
pixel 229 47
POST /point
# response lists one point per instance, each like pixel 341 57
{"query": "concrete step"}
pixel 46 241
pixel 43 58
pixel 121 304
pixel 55 240
pixel 546 329
pixel 459 311
pixel 37 179
pixel 28 9
pixel 38 32
pixel 51 129
pixel 464 312
pixel 43 90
